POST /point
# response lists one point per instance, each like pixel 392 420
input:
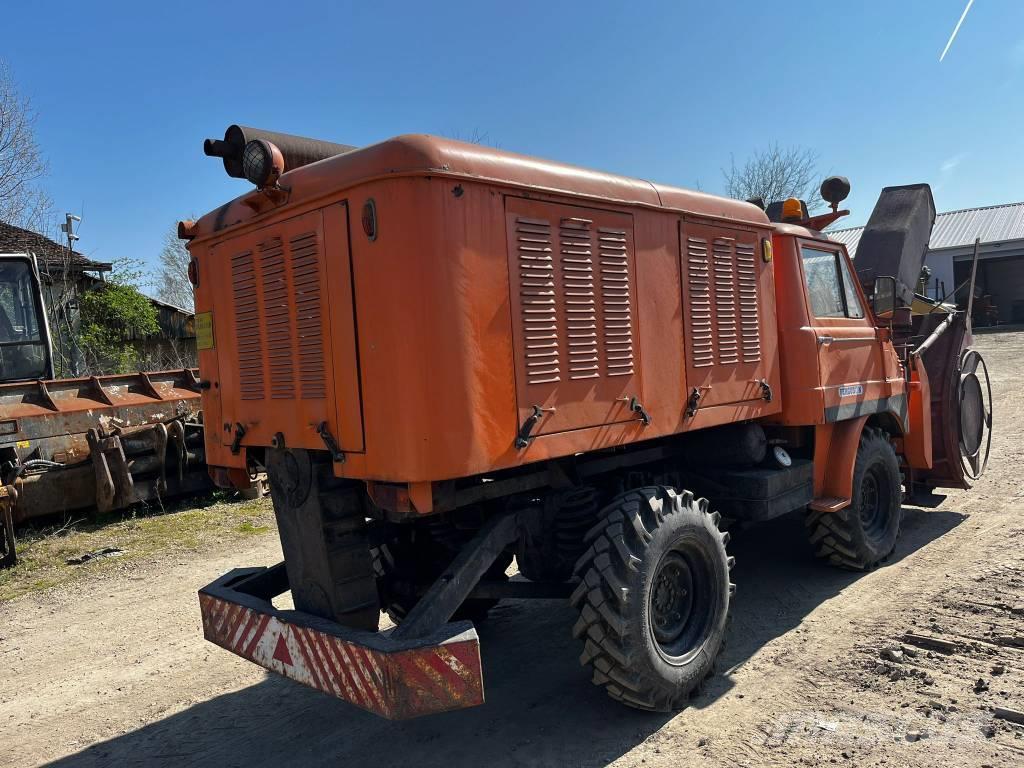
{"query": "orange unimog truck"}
pixel 447 356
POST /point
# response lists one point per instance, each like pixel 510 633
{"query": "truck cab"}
pixel 847 367
pixel 24 333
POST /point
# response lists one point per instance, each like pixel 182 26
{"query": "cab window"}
pixel 830 284
pixel 23 350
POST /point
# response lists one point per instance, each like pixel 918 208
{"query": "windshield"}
pixel 22 347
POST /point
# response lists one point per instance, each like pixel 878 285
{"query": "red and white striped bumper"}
pixel 394 679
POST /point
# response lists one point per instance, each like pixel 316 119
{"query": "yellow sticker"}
pixel 23 444
pixel 204 330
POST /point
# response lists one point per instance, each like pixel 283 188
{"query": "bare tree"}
pixel 22 201
pixel 776 173
pixel 172 283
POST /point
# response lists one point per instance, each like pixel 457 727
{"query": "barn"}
pixel 999 292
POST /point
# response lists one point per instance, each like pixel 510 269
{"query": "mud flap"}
pixel 835 454
pixel 396 679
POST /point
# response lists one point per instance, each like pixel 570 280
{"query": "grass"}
pixel 141 532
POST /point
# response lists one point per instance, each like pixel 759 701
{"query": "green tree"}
pixel 113 315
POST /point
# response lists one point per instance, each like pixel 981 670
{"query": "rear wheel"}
pixel 864 533
pixel 653 597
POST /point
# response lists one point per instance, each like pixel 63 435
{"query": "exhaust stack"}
pixel 296 150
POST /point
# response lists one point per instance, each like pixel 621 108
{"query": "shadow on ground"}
pixel 541 709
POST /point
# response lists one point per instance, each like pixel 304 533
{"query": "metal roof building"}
pixel 1000 280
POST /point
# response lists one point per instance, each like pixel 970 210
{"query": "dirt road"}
pixel 114 671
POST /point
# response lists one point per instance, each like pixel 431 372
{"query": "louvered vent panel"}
pixel 617 312
pixel 571 279
pixel 578 298
pixel 277 320
pixel 723 270
pixel 702 353
pixel 537 297
pixel 247 326
pixel 750 327
pixel 305 263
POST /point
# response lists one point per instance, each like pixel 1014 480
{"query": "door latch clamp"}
pixel 637 407
pixel 236 440
pixel 332 445
pixel 693 401
pixel 523 438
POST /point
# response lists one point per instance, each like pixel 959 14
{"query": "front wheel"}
pixel 653 597
pixel 864 533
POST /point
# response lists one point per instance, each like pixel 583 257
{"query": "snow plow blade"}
pixel 398 680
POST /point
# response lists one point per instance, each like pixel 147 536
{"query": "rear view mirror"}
pixel 883 299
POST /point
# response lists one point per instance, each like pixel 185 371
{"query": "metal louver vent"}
pixel 571 279
pixel 725 301
pixel 750 327
pixel 702 353
pixel 578 297
pixel 308 318
pixel 247 326
pixel 537 290
pixel 617 312
pixel 277 319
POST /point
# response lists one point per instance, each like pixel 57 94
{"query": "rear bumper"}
pixel 395 679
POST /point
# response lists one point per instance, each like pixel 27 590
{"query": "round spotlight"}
pixel 834 190
pixel 262 163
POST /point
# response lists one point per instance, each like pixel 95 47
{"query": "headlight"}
pixel 262 163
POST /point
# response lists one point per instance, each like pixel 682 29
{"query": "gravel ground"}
pixel 818 670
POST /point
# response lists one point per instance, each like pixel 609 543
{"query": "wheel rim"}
pixel 682 598
pixel 874 516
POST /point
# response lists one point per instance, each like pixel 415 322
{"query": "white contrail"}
pixel 956 29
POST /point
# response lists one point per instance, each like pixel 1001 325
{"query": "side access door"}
pixel 727 288
pixel 285 333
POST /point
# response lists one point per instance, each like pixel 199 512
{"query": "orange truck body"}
pixel 510 354
pixel 494 284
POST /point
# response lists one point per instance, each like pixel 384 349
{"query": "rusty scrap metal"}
pixel 102 442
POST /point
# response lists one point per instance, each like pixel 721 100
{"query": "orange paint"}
pixel 497 284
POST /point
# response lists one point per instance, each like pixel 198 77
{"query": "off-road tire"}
pixel 863 534
pixel 643 533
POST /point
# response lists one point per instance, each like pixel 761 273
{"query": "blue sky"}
pixel 126 92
